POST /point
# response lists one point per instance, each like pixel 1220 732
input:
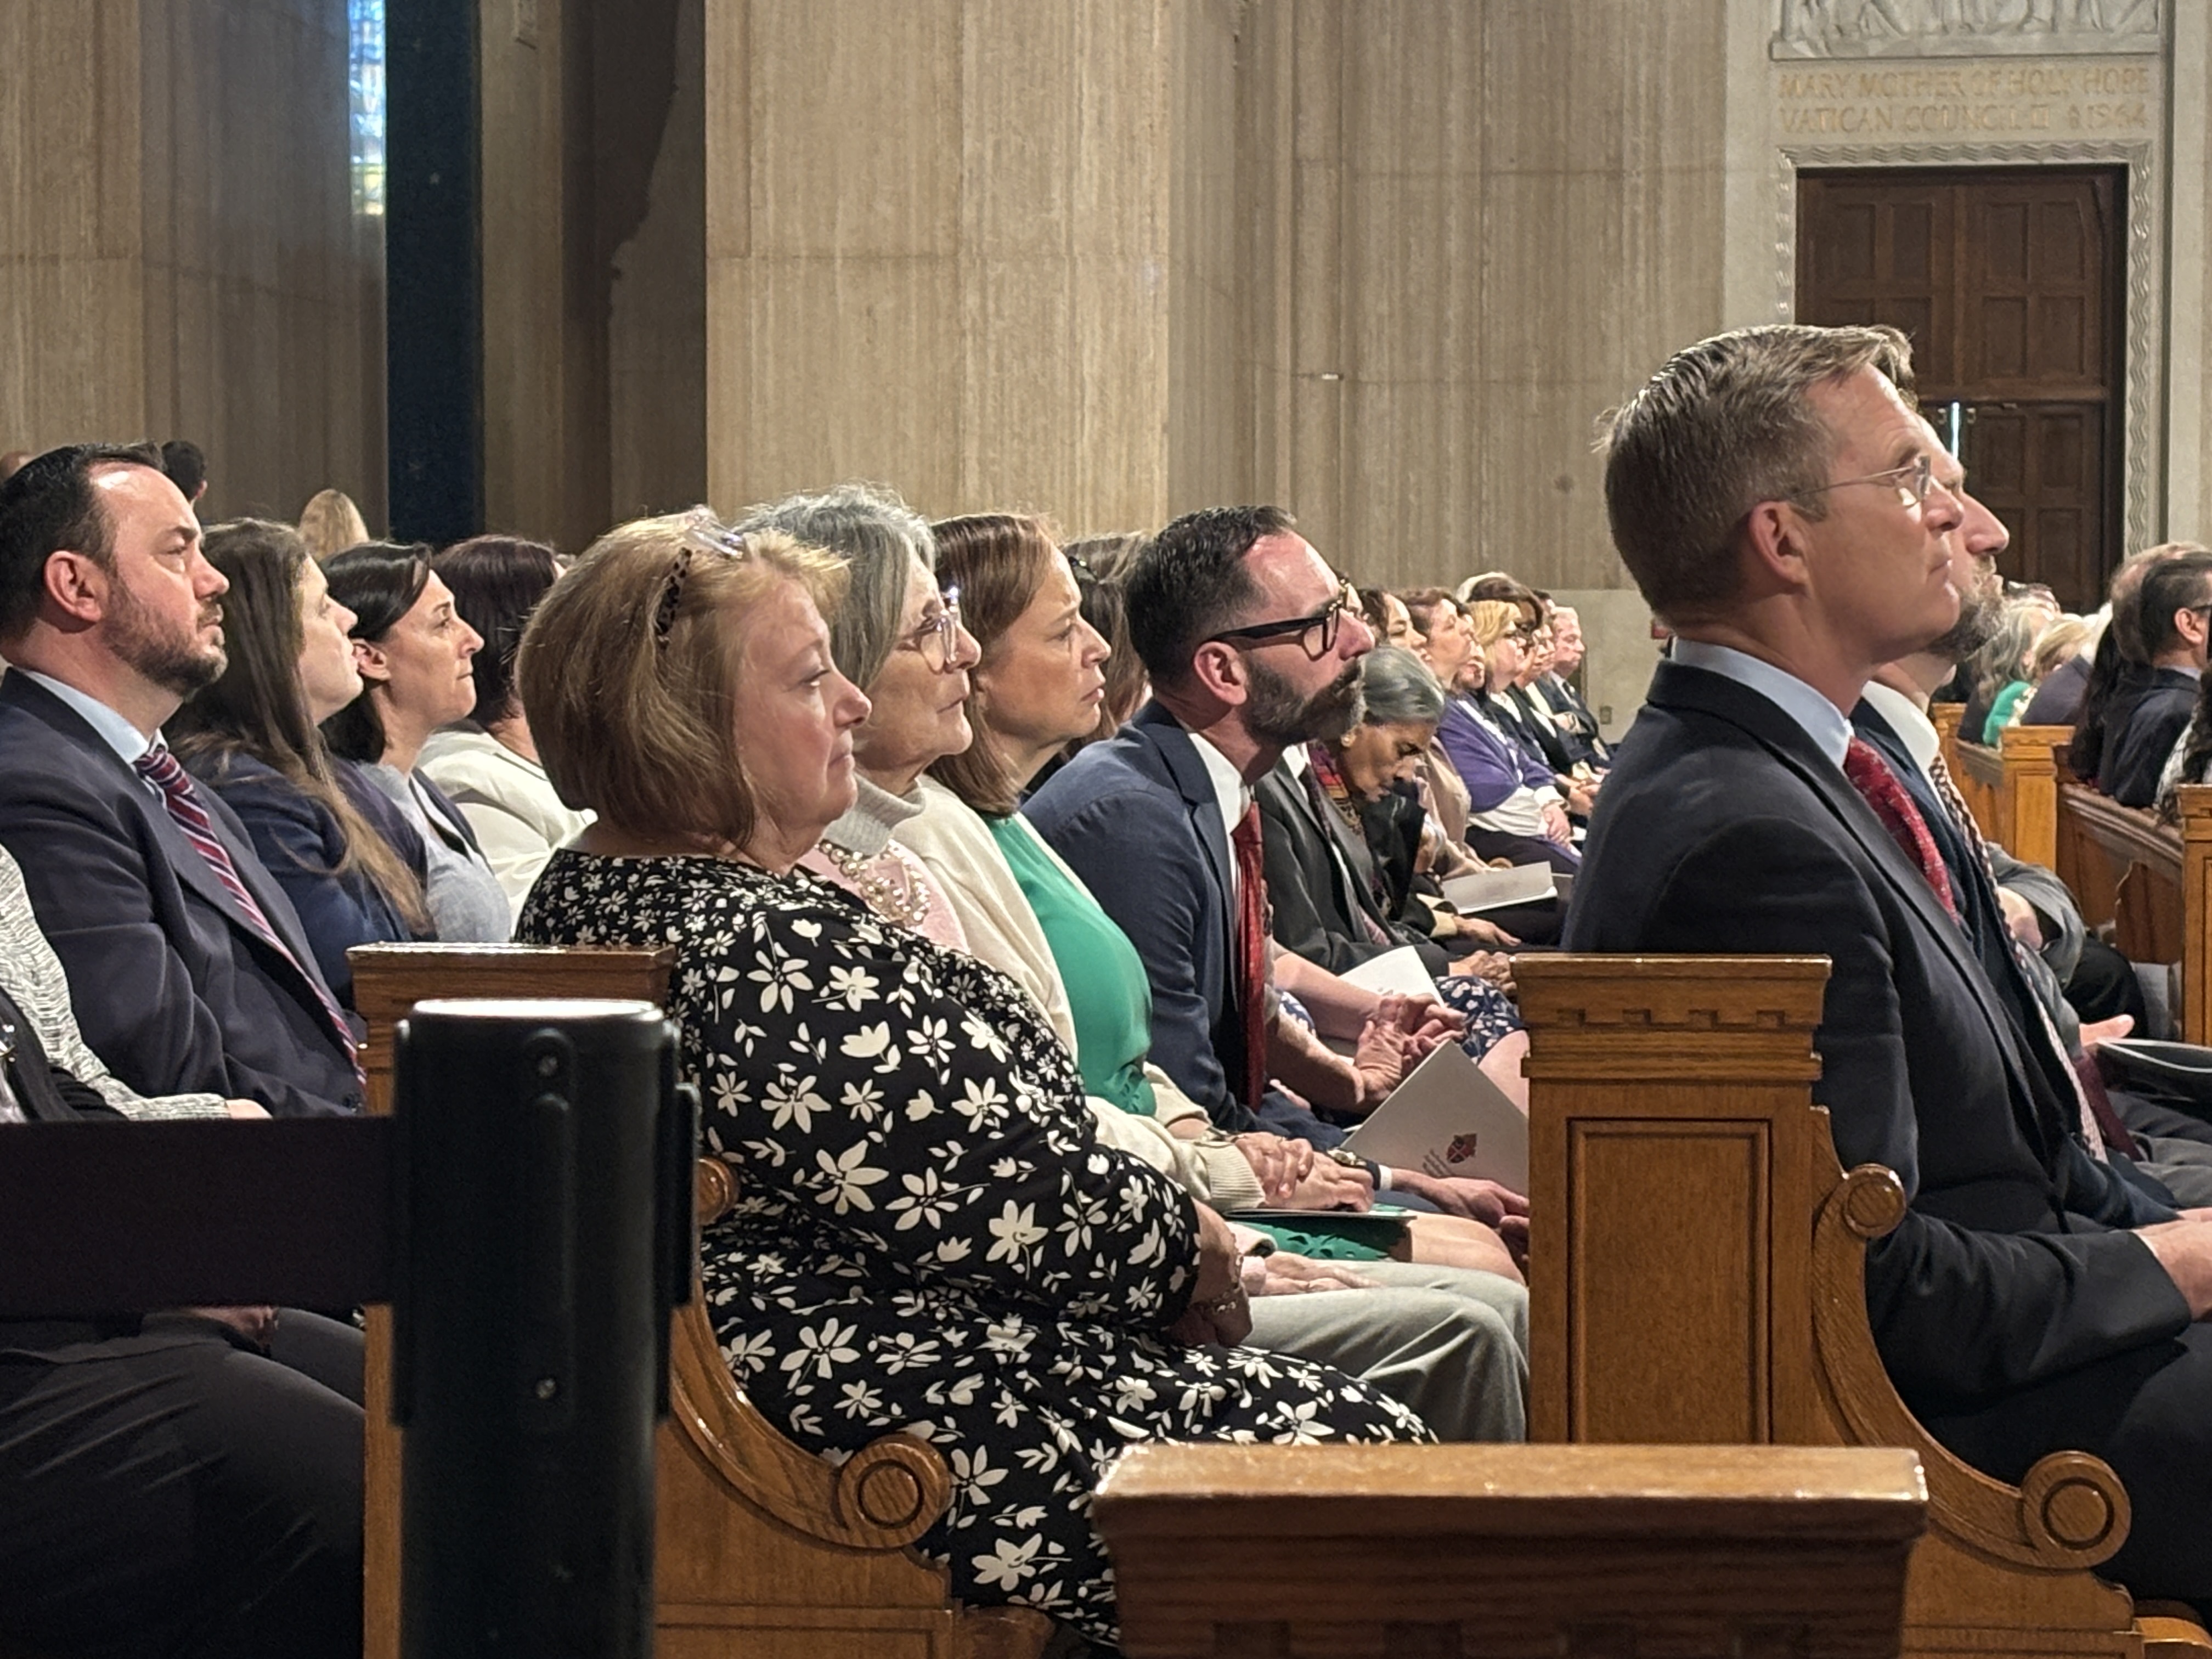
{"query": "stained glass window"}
pixel 365 76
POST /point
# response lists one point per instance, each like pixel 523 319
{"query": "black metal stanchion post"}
pixel 544 1165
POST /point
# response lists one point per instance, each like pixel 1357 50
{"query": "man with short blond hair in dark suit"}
pixel 1781 506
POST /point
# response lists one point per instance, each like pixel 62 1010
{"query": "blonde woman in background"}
pixel 330 524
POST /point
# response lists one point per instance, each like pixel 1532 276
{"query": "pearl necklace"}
pixel 907 904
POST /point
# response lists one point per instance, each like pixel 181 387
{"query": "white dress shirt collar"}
pixel 1821 720
pixel 1229 786
pixel 1232 791
pixel 1917 730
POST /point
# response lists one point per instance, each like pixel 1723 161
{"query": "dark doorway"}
pixel 2008 282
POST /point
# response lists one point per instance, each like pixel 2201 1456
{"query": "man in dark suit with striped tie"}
pixel 188 966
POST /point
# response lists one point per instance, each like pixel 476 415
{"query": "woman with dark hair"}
pixel 1326 896
pixel 1342 880
pixel 1102 608
pixel 416 656
pixel 930 1236
pixel 251 736
pixel 487 764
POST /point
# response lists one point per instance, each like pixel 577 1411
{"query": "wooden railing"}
pixel 1979 774
pixel 1697 1276
pixel 1698 1552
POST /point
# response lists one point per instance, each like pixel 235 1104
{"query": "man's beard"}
pixel 1980 614
pixel 1275 713
pixel 179 665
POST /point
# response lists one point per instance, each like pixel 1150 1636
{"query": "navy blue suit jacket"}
pixel 301 845
pixel 176 990
pixel 2135 758
pixel 1137 818
pixel 1723 829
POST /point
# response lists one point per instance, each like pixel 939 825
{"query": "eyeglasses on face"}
pixel 939 637
pixel 1316 634
pixel 1912 480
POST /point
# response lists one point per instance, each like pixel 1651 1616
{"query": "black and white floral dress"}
pixel 929 1236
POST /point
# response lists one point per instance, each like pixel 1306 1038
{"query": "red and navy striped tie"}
pixel 163 769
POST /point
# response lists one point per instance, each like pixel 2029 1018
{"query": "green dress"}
pixel 1111 1001
pixel 1108 993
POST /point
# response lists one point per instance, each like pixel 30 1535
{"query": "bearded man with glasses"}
pixel 1252 646
pixel 1777 502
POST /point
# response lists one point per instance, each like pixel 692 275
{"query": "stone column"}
pixel 939 248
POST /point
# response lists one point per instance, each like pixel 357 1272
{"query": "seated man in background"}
pixel 1251 648
pixel 1776 499
pixel 1577 725
pixel 2119 670
pixel 188 961
pixel 187 1484
pixel 2175 617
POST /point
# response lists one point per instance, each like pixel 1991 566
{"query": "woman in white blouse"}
pixel 487 764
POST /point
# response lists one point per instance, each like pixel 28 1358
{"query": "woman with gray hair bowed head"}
pixel 1330 901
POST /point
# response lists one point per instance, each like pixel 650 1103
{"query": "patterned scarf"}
pixel 1330 775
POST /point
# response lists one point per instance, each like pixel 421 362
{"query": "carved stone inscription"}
pixel 1942 28
pixel 1981 100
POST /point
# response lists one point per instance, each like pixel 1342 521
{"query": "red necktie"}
pixel 161 769
pixel 1873 780
pixel 1252 951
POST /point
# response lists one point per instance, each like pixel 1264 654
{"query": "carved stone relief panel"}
pixel 1945 28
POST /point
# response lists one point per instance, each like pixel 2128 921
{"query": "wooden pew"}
pixel 2011 790
pixel 2194 803
pixel 1979 773
pixel 1946 717
pixel 2123 852
pixel 2027 803
pixel 1697 1276
pixel 1703 1552
pixel 764 1551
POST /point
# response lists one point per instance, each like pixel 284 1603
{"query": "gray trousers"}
pixel 1451 1343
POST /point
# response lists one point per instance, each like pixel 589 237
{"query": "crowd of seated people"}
pixel 991 1163
pixel 1019 891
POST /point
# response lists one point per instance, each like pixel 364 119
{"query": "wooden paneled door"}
pixel 2007 280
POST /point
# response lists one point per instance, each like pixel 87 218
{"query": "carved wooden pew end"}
pixel 764 1550
pixel 1698 1275
pixel 1708 1550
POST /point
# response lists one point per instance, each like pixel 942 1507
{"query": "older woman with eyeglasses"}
pixel 930 1236
pixel 898 637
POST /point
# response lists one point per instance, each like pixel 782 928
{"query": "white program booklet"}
pixel 1492 890
pixel 1448 1119
pixel 1398 971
